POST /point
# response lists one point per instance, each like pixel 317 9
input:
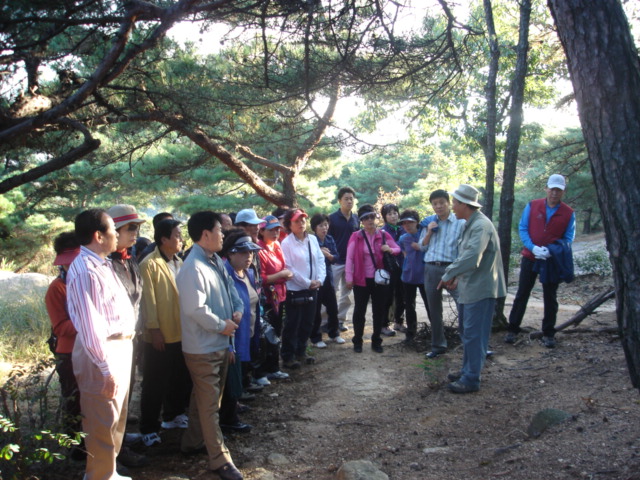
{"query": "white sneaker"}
pixel 181 421
pixel 338 340
pixel 151 439
pixel 277 375
pixel 320 344
pixel 264 381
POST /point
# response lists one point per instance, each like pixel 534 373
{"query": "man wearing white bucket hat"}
pixel 477 273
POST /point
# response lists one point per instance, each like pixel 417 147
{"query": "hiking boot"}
pixel 510 337
pixel 459 387
pixel 291 364
pixel 549 342
pixel 306 359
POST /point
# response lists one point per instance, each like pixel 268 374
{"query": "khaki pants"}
pixel 208 374
pixel 103 419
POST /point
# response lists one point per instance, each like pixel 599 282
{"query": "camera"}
pixel 301 300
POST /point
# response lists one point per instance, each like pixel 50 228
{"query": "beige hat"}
pixel 124 214
pixel 467 194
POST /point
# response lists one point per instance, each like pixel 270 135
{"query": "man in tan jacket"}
pixel 167 385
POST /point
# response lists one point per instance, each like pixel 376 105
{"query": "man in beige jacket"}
pixel 477 274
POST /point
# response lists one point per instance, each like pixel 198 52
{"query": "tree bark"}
pixel 492 111
pixel 514 132
pixel 605 72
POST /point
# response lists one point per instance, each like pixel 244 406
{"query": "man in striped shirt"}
pixel 102 314
pixel 439 241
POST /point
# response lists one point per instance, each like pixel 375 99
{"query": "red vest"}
pixel 541 232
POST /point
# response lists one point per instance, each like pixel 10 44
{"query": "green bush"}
pixel 28 421
pixel 24 329
pixel 594 262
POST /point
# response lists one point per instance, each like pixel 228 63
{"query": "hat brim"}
pixel 127 222
pixel 464 200
pixel 67 257
pixel 556 185
pixel 272 226
pixel 245 247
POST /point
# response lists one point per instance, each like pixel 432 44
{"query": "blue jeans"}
pixel 476 320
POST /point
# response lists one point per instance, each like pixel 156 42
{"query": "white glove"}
pixel 545 252
pixel 538 252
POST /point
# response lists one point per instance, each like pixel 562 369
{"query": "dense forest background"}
pixel 279 103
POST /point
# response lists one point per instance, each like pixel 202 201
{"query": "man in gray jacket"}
pixel 210 310
pixel 478 274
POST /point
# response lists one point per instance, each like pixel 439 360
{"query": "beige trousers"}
pixel 208 374
pixel 103 419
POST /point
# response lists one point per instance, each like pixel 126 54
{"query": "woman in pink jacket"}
pixel 360 272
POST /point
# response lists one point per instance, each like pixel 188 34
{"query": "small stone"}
pixel 277 459
pixel 360 470
pixel 545 419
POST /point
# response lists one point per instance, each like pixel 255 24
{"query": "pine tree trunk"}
pixel 492 112
pixel 514 133
pixel 605 72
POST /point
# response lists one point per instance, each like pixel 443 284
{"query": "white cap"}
pixel 556 181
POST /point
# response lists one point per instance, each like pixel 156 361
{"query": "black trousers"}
pixel 395 307
pixel 166 386
pixel 298 322
pixel 410 306
pixel 71 419
pixel 379 295
pixel 326 297
pixel 549 292
pixel 271 363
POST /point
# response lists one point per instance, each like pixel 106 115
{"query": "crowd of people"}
pixel 212 325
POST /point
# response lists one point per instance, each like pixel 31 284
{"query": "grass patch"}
pixel 24 329
pixel 433 369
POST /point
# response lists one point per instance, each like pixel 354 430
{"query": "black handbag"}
pixel 390 261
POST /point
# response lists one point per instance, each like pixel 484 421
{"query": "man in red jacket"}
pixel 543 221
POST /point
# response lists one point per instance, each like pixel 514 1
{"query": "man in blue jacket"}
pixel 543 222
pixel 342 223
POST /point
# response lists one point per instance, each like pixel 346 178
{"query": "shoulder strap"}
pixel 369 247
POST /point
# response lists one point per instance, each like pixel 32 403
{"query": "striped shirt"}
pixel 98 304
pixel 443 245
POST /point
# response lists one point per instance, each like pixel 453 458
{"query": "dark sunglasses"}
pixel 133 227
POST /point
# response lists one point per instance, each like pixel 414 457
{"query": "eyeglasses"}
pixel 133 227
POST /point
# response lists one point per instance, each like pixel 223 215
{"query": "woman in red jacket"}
pixel 360 270
pixel 274 282
pixel 67 249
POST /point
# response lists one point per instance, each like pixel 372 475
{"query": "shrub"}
pixel 29 416
pixel 24 329
pixel 593 262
